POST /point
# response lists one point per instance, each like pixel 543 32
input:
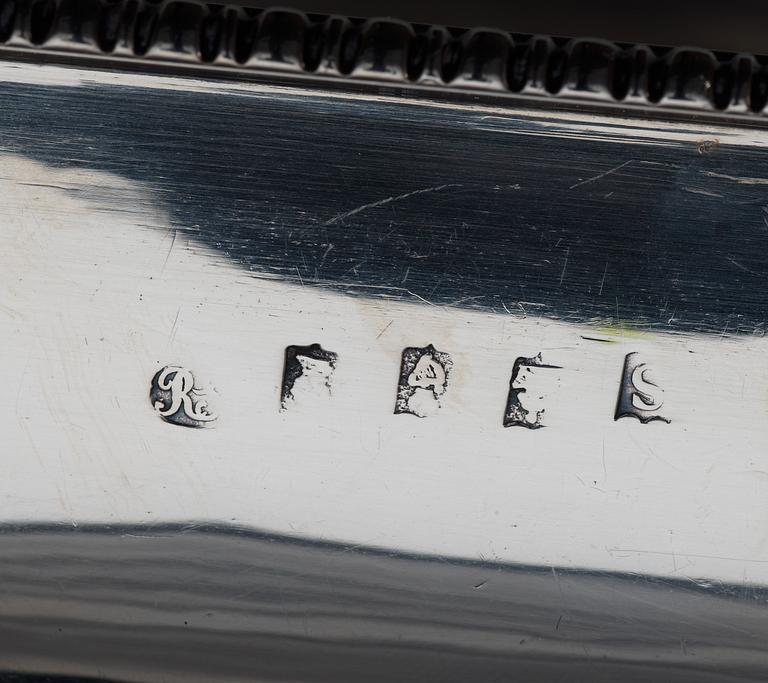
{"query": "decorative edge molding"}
pixel 282 42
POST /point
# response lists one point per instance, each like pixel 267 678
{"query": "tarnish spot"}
pixel 308 372
pixel 424 375
pixel 526 398
pixel 178 398
pixel 639 394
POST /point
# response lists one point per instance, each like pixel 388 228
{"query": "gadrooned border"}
pixel 279 41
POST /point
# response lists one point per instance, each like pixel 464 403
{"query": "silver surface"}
pixel 319 528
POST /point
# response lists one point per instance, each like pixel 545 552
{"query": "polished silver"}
pixel 305 264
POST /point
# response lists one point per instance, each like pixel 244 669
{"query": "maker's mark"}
pixel 176 398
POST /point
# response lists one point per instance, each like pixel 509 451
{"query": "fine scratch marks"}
pixel 420 298
pixel 706 193
pixel 389 200
pixel 601 175
pixel 557 581
pixel 565 265
pixel 48 186
pixel 641 551
pixel 325 255
pixel 464 300
pixel 168 255
pixel 741 266
pixel 602 282
pixel 519 305
pixel 388 325
pixel 174 327
pixel 741 180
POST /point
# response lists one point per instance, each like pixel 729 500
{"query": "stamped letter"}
pixel 639 395
pixel 177 400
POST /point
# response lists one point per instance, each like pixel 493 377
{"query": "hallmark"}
pixel 423 380
pixel 528 392
pixel 639 395
pixel 177 399
pixel 307 373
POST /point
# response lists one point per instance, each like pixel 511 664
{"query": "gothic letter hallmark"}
pixel 527 392
pixel 423 380
pixel 639 395
pixel 177 400
pixel 308 371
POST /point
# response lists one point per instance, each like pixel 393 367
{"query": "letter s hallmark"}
pixel 639 395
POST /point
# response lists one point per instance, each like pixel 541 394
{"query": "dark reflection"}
pixel 712 25
pixel 8 677
pixel 164 603
pixel 419 203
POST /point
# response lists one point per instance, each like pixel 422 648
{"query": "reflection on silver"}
pixel 302 546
